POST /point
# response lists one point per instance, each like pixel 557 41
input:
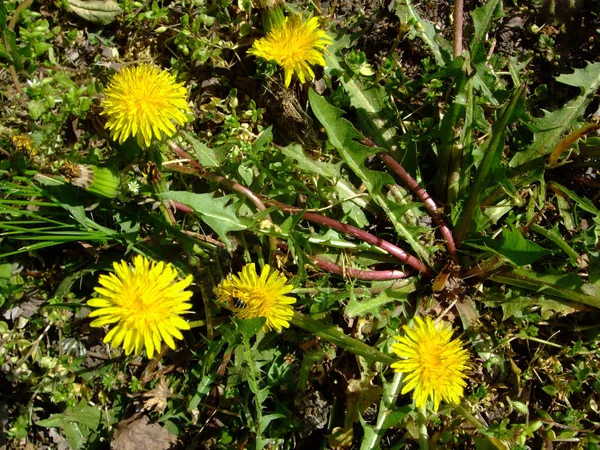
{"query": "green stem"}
pixel 560 243
pixel 469 417
pixel 422 424
pixel 388 400
pixel 197 323
pixel 528 281
pixel 334 335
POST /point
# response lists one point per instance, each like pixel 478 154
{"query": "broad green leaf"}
pixel 101 12
pixel 514 247
pixel 325 169
pixel 208 157
pixel 217 212
pixel 76 423
pixel 249 327
pixel 344 138
pixel 549 129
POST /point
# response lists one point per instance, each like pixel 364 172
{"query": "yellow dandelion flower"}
pixel 144 101
pixel 251 295
pixel 294 45
pixel 144 301
pixel 434 363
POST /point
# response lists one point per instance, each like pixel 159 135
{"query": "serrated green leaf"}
pixel 344 137
pixel 102 12
pixel 325 169
pixel 348 195
pixel 515 304
pixel 374 305
pixel 202 390
pixel 249 327
pixel 567 286
pixel 76 423
pixel 217 212
pixel 549 129
pixel 424 30
pixel 372 105
pixel 582 202
pixel 483 17
pixel 493 147
pixel 514 247
pixel 208 157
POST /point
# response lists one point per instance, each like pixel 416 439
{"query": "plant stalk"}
pixel 334 335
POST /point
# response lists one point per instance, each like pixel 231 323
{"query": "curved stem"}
pixel 426 199
pixel 336 336
pixel 392 249
pixel 230 185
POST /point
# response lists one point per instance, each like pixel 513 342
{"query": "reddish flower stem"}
pixel 358 233
pixel 348 272
pixel 312 217
pixel 426 199
pixel 220 179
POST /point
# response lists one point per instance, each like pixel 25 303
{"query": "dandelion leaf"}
pixel 217 212
pixel 549 128
pixel 345 138
pixel 515 248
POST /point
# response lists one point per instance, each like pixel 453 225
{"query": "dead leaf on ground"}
pixel 141 435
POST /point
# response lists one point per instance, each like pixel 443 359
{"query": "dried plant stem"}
pixel 426 199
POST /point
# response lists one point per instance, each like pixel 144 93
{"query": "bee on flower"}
pixel 251 295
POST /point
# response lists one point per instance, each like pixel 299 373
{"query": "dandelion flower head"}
pixel 144 101
pixel 144 301
pixel 295 45
pixel 433 362
pixel 252 295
